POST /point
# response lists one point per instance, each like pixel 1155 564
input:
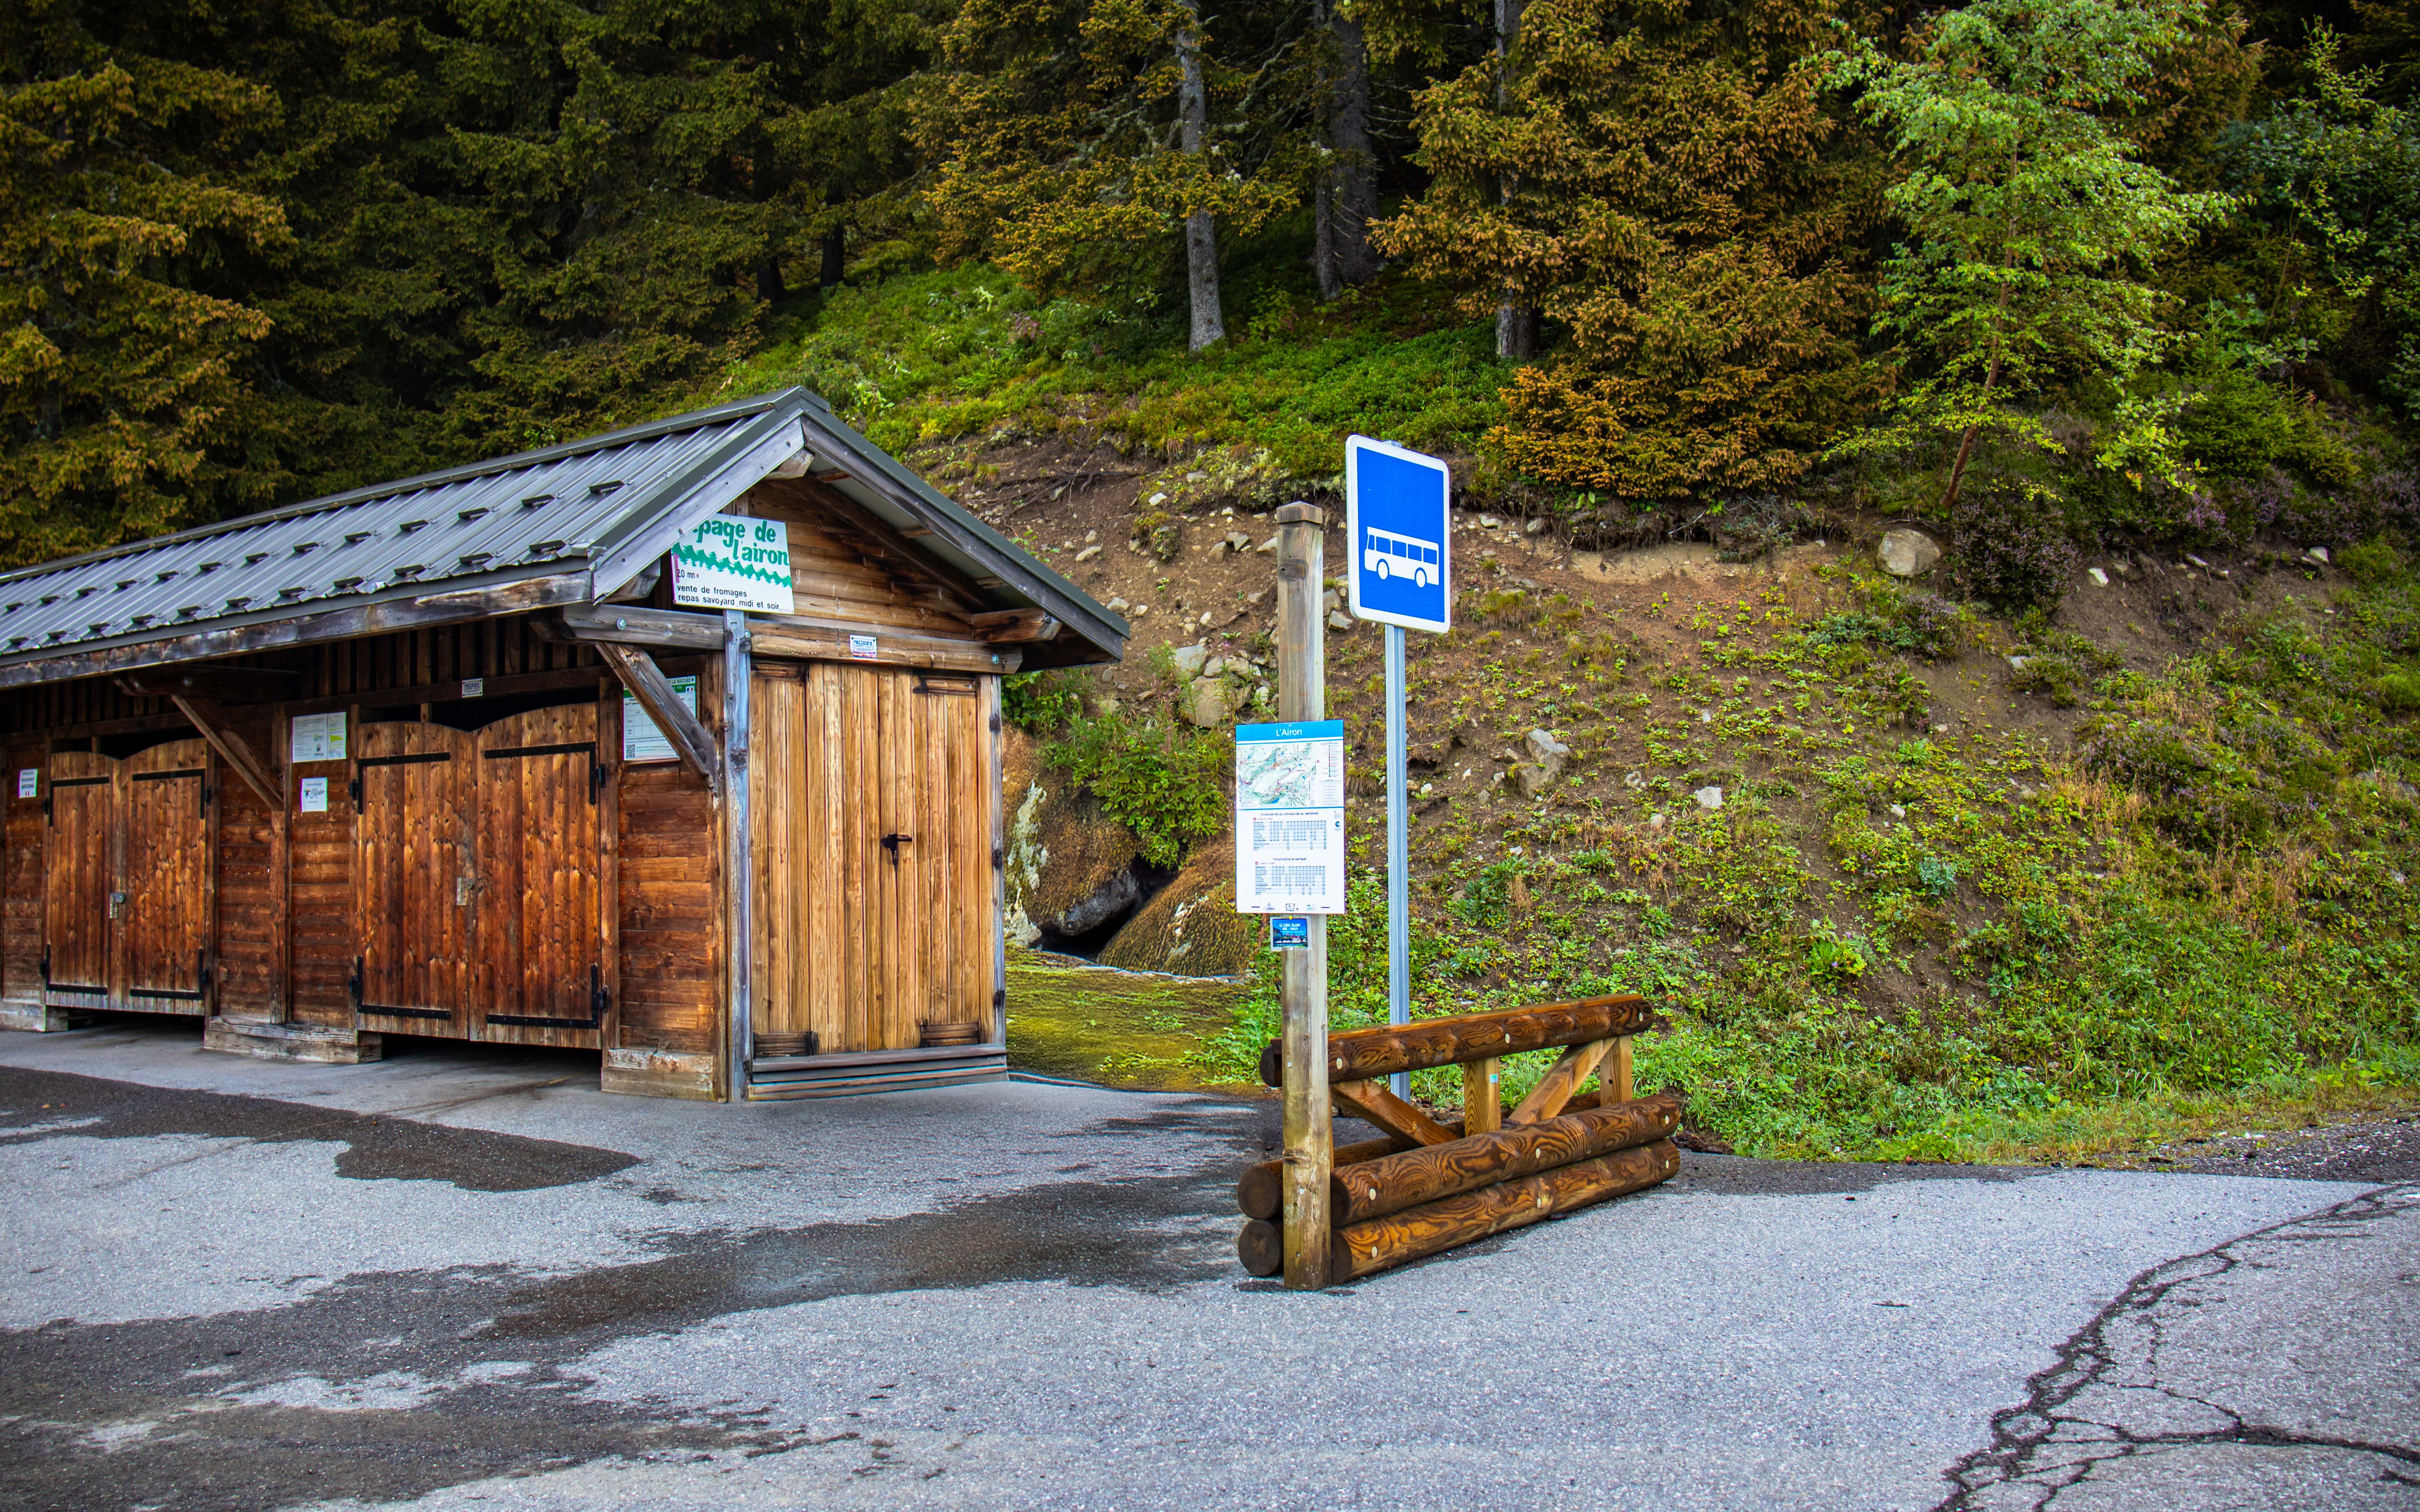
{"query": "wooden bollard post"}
pixel 1309 1155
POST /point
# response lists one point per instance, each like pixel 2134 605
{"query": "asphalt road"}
pixel 458 1280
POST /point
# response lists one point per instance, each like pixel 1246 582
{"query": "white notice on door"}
pixel 29 780
pixel 318 737
pixel 641 741
pixel 1290 818
pixel 315 794
pixel 862 648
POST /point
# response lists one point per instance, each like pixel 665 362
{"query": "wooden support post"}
pixel 648 683
pixel 1482 1096
pixel 739 872
pixel 1310 1156
pixel 1614 1074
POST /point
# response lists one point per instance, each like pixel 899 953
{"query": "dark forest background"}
pixel 2085 264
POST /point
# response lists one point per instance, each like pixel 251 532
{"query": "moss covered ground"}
pixel 1121 1028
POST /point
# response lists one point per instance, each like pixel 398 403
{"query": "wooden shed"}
pixel 448 757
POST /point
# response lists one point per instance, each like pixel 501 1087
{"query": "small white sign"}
pixel 862 647
pixel 731 562
pixel 29 782
pixel 318 737
pixel 1290 818
pixel 315 794
pixel 641 740
pixel 473 688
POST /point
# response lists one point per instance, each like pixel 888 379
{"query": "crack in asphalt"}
pixel 2044 1446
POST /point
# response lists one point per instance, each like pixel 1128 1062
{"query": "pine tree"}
pixel 1667 183
pixel 1089 146
pixel 121 357
pixel 2030 219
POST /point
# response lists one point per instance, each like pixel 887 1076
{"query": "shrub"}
pixel 2372 562
pixel 1163 781
pixel 2010 544
pixel 1040 702
pixel 2061 666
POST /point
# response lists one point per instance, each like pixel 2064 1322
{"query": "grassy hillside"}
pixel 1977 887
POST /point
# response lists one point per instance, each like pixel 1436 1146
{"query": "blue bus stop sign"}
pixel 1397 533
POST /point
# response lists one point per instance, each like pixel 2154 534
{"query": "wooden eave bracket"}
pixel 211 720
pixel 646 682
pixel 1014 626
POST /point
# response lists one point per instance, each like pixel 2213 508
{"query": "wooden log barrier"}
pixel 1260 1192
pixel 1359 1055
pixel 1262 1247
pixel 1380 1244
pixel 1393 1182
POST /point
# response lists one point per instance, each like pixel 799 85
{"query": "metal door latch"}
pixel 118 905
pixel 892 842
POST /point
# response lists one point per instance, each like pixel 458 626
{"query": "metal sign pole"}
pixel 1399 886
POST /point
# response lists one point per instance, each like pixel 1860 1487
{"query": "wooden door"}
pixel 541 903
pixel 417 791
pixel 80 881
pixel 875 853
pixel 164 923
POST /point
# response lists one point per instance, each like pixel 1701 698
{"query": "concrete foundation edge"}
pixel 659 1073
pixel 264 1040
pixel 36 1018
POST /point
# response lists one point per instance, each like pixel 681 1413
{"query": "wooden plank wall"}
pixel 320 942
pixel 837 574
pixel 249 947
pixel 21 833
pixel 670 883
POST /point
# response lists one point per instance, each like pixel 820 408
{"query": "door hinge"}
pixel 207 795
pixel 353 790
pixel 49 817
pixel 353 984
pixel 598 998
pixel 202 970
pixel 597 777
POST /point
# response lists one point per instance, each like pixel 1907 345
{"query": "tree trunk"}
pixel 1201 235
pixel 1991 377
pixel 835 248
pixel 1323 245
pixel 1353 167
pixel 1516 325
pixel 769 287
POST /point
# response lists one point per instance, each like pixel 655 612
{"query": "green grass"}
pixel 925 358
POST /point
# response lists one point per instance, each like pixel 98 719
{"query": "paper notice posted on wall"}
pixel 642 739
pixel 318 737
pixel 29 782
pixel 1290 818
pixel 313 794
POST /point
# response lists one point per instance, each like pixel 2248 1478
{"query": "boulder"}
pixel 1548 752
pixel 1064 855
pixel 1190 659
pixel 1709 798
pixel 1908 553
pixel 1190 927
pixel 1214 703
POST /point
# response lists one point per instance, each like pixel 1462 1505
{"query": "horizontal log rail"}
pixel 1426 1185
pixel 1361 1055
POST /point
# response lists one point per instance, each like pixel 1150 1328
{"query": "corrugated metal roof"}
pixel 605 500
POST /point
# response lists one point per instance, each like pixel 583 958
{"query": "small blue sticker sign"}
pixel 1289 932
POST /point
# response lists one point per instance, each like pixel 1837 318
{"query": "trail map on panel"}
pixel 1290 818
